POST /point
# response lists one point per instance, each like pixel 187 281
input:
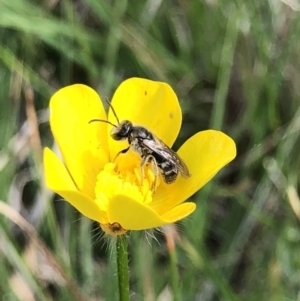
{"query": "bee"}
pixel 151 149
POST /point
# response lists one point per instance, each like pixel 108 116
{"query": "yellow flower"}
pixel 110 191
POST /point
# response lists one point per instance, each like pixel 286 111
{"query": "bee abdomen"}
pixel 168 172
pixel 170 178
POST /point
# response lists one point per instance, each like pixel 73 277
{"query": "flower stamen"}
pixel 112 181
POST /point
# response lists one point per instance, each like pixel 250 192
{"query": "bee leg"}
pixel 143 163
pixel 155 171
pixel 121 152
pixel 149 159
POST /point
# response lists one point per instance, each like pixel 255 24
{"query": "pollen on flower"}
pixel 112 182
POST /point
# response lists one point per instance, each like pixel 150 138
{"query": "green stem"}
pixel 122 262
pixel 174 275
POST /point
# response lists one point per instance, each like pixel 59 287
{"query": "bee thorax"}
pixel 137 146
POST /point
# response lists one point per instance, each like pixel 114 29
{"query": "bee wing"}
pixel 161 149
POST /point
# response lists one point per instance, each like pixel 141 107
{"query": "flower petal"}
pixel 132 215
pixel 179 212
pixel 58 179
pixel 147 103
pixel 205 154
pixel 83 145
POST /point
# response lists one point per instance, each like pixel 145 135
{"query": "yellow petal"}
pixel 83 145
pixel 56 174
pixel 132 215
pixel 179 212
pixel 59 180
pixel 147 103
pixel 205 154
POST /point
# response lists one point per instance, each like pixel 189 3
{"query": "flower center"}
pixel 114 180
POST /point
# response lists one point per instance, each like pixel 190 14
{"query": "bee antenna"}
pixel 102 120
pixel 112 108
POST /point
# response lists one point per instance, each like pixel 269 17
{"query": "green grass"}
pixel 235 67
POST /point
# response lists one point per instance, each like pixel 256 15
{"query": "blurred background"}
pixel 234 66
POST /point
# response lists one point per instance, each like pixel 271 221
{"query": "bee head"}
pixel 122 131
